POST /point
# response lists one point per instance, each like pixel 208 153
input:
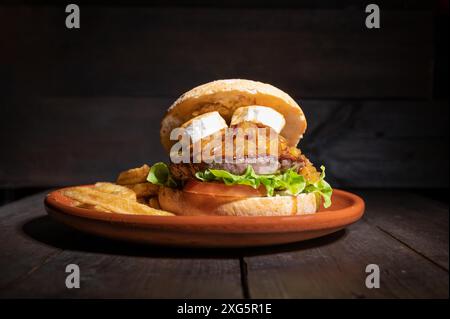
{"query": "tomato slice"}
pixel 220 189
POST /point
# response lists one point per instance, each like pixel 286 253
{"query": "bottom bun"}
pixel 185 203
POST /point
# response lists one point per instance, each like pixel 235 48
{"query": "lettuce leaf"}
pixel 288 182
pixel 160 175
pixel 322 188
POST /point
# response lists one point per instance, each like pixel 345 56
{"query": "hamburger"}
pixel 260 173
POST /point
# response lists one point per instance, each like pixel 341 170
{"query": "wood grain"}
pixel 19 254
pixel 406 236
pixel 78 106
pixel 139 51
pixel 81 105
pixel 336 269
pixel 379 143
pixel 35 251
pixel 403 217
pixel 106 276
pixel 65 141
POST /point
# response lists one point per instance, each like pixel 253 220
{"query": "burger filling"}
pixel 287 172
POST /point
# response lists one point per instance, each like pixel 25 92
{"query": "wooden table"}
pixel 405 234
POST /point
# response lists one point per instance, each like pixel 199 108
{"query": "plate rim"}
pixel 320 220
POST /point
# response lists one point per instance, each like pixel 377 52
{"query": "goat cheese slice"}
pixel 262 115
pixel 204 125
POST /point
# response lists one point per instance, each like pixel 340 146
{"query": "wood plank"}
pixel 112 276
pixel 418 222
pixel 72 141
pixel 334 267
pixel 83 140
pixel 379 143
pixel 35 251
pixel 298 270
pixel 165 51
pixel 20 254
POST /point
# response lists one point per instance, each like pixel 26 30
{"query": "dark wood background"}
pixel 78 106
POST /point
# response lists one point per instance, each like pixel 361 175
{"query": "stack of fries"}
pixel 131 194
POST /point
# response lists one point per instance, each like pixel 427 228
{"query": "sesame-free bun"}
pixel 225 96
pixel 185 203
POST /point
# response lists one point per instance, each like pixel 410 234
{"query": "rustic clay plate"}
pixel 208 231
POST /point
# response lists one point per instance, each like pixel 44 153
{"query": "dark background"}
pixel 80 105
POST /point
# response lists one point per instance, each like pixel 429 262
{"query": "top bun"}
pixel 225 96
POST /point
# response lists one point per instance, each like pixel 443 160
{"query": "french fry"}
pixel 102 209
pixel 134 175
pixel 154 203
pixel 113 203
pixel 115 189
pixel 144 189
pixel 87 206
pixel 76 203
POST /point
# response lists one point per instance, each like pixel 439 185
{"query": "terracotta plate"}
pixel 208 231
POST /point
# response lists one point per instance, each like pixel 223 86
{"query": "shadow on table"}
pixel 47 231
